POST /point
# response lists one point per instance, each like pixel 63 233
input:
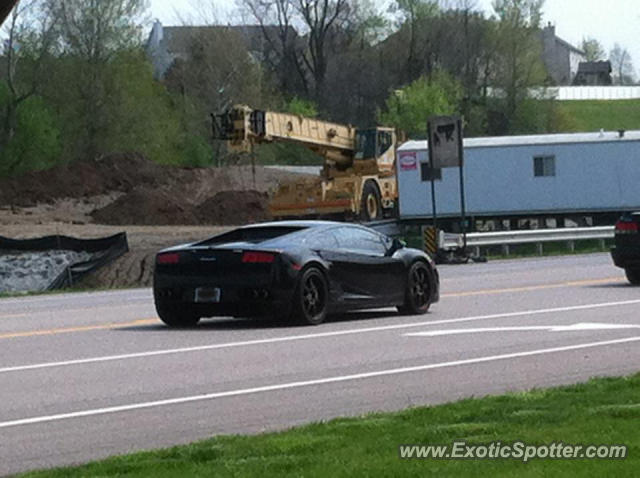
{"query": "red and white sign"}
pixel 408 161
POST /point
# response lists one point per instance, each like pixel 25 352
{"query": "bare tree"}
pixel 621 65
pixel 320 16
pixel 277 19
pixel 415 16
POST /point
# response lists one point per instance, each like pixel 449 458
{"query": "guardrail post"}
pixel 602 244
pixel 540 248
pixel 505 249
pixel 572 246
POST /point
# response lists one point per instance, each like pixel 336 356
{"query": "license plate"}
pixel 207 294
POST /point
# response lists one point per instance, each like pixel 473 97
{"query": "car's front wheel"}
pixel 633 275
pixel 311 298
pixel 417 296
pixel 177 316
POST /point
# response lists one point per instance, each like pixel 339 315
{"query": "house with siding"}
pixel 166 44
pixel 561 59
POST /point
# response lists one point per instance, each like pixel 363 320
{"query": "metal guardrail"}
pixel 505 238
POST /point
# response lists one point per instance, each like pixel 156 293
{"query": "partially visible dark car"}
pixel 299 270
pixel 626 249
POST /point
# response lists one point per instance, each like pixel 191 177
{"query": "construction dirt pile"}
pixel 147 206
pixel 130 189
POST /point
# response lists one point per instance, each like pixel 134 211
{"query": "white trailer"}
pixel 526 176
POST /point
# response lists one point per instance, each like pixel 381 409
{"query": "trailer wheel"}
pixel 371 206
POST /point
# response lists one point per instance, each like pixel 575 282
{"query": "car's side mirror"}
pixel 396 245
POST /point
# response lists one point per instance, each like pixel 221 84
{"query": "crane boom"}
pixel 242 127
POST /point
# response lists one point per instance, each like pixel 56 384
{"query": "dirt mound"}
pixel 127 188
pixel 234 207
pixel 117 172
pixel 146 206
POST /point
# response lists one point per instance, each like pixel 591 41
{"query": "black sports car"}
pixel 302 270
pixel 626 249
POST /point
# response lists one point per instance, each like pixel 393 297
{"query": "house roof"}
pixel 179 38
pixel 591 67
pixel 569 46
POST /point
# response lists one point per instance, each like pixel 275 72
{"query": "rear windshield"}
pixel 254 235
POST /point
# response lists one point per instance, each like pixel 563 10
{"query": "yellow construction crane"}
pixel 358 175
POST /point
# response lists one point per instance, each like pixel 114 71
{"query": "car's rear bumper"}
pixel 626 257
pixel 240 300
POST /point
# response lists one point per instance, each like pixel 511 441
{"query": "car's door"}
pixel 363 267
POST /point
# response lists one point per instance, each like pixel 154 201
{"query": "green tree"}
pixel 592 49
pixel 27 47
pixel 35 143
pixel 408 108
pixel 302 107
pixel 90 34
pixel 518 62
pixel 217 72
pixel 138 114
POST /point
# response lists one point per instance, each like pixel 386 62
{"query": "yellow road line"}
pixel 116 325
pixel 86 328
pixel 535 287
pixel 77 309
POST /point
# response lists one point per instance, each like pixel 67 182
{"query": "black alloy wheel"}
pixel 311 297
pixel 418 292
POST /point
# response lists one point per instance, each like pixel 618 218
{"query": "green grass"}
pixel 602 411
pixel 584 116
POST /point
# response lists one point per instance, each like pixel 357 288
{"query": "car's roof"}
pixel 299 223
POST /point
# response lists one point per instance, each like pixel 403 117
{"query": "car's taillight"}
pixel 258 257
pixel 168 258
pixel 626 227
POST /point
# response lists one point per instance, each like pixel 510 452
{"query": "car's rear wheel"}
pixel 177 316
pixel 633 275
pixel 311 298
pixel 417 297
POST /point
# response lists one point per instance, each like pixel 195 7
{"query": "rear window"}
pixel 254 235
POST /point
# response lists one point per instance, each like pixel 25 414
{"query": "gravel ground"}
pixel 34 271
pixel 133 269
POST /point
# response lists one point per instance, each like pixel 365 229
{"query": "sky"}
pixel 608 21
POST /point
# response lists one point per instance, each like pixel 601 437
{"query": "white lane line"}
pixel 580 327
pixel 307 383
pixel 321 335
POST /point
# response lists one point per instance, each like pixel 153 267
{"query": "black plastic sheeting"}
pixel 103 251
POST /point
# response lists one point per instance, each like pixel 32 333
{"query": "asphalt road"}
pixel 85 376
